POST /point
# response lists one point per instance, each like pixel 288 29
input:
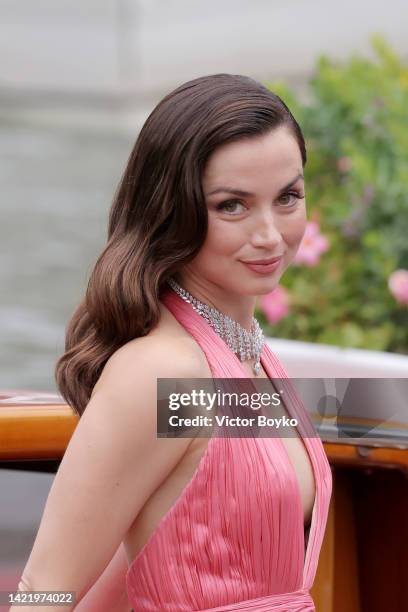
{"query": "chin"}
pixel 267 288
pixel 266 284
pixel 261 287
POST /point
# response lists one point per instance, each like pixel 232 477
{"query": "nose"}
pixel 266 234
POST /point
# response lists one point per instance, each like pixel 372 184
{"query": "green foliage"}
pixel 356 130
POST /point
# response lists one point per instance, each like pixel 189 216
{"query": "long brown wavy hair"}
pixel 158 219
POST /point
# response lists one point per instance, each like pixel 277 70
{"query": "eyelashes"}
pixel 224 205
pixel 294 196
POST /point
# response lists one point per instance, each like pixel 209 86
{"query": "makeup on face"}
pixel 264 268
pixel 254 193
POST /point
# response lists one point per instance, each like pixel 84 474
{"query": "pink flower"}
pixel 398 285
pixel 275 304
pixel 344 164
pixel 312 245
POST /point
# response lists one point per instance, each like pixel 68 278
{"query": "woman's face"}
pixel 255 196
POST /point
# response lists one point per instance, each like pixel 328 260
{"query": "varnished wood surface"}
pixel 35 432
pixel 42 431
pixel 364 551
pixel 364 555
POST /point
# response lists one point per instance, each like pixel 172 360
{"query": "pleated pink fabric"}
pixel 234 538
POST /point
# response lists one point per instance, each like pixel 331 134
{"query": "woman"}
pixel 209 213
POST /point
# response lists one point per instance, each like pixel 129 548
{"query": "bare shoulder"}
pixel 168 351
pixel 103 482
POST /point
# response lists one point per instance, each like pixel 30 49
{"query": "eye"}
pixel 229 204
pixel 290 199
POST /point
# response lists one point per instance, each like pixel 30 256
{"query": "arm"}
pixel 102 482
pixel 109 591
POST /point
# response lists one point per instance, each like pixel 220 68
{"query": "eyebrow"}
pixel 246 194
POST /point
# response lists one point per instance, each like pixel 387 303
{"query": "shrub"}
pixel 356 126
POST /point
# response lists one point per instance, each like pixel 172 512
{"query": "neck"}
pixel 240 308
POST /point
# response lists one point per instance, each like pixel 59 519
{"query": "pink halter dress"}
pixel 234 538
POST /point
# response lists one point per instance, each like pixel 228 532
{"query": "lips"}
pixel 264 268
pixel 264 261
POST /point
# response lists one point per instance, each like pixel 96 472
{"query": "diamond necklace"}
pixel 246 344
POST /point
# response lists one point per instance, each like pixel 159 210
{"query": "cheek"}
pixel 223 238
pixel 294 228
